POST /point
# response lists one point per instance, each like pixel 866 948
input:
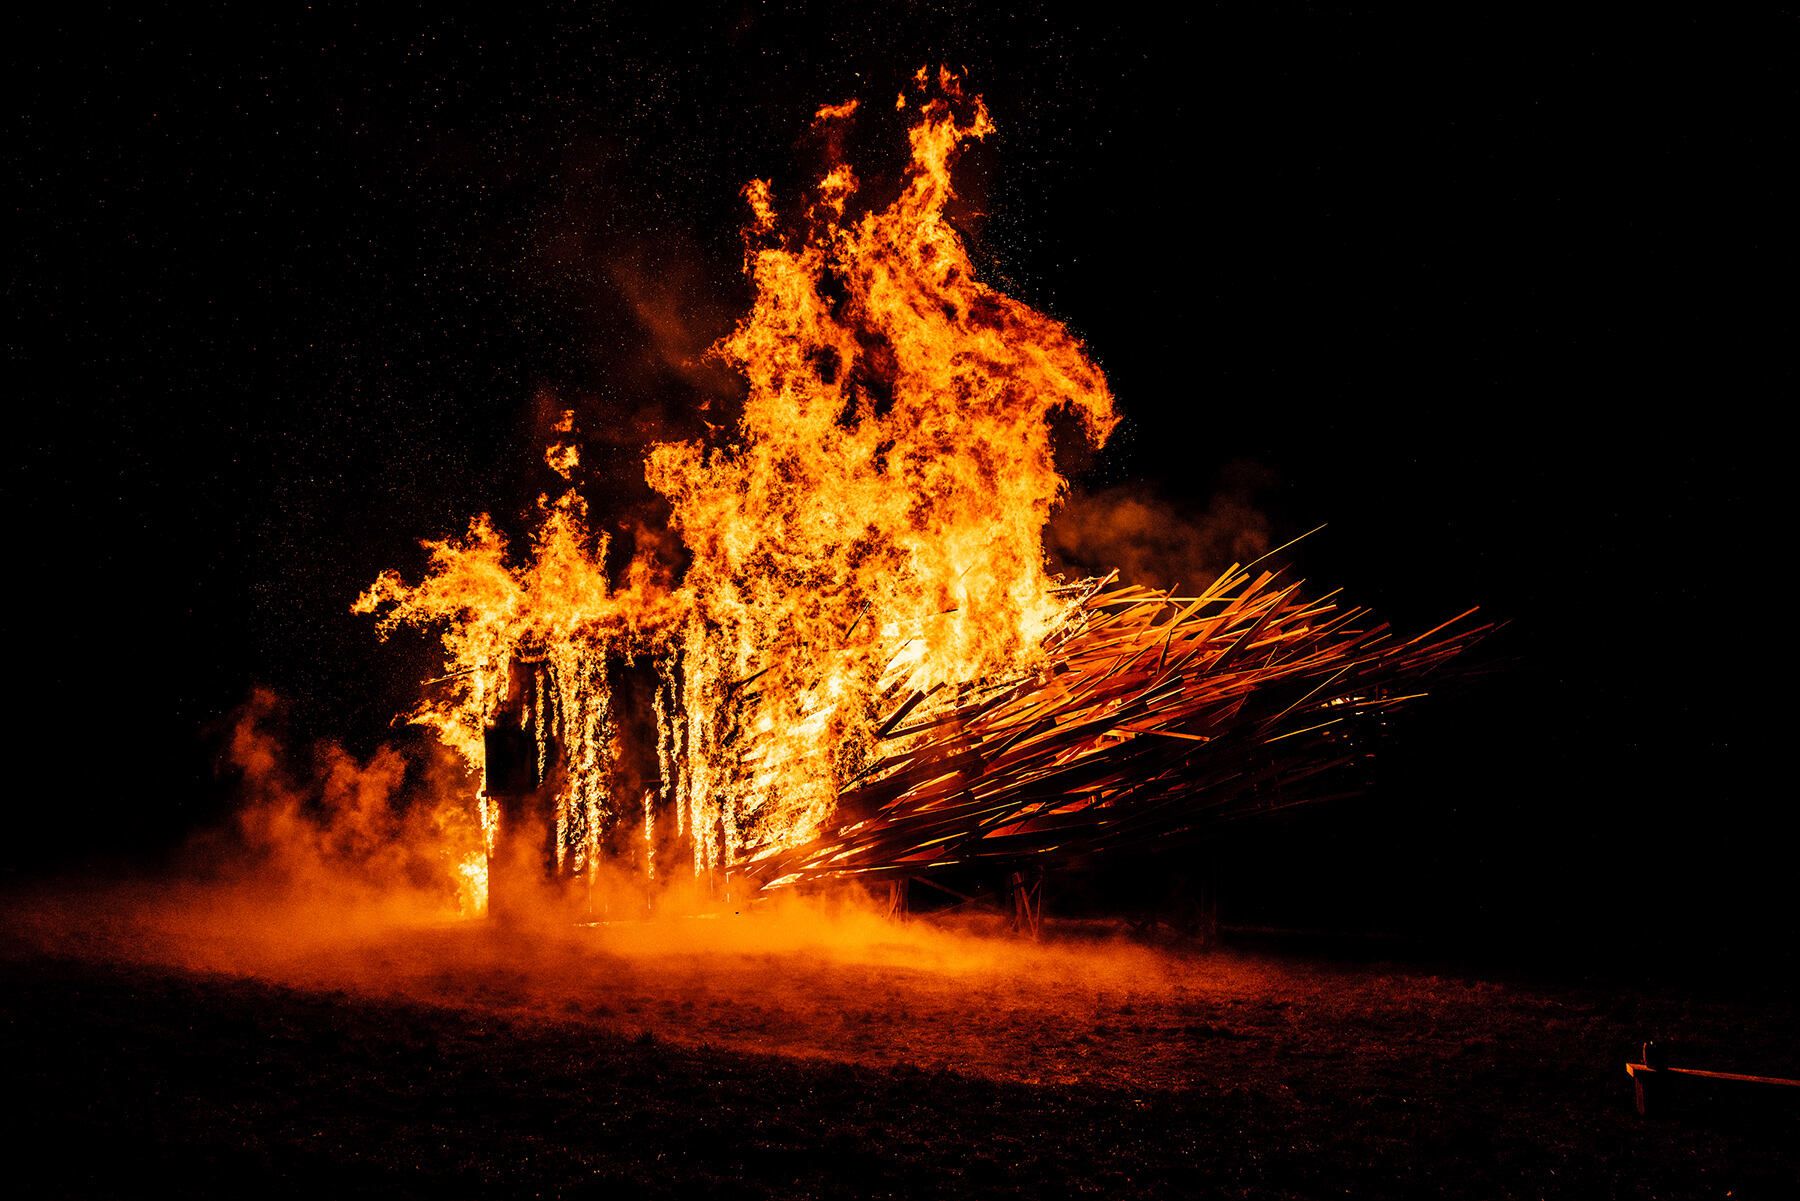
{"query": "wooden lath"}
pixel 1154 716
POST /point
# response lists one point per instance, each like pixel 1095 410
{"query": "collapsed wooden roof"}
pixel 1154 716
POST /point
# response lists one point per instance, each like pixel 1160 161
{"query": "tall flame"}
pixel 873 522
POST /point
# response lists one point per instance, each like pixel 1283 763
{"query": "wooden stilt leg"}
pixel 896 900
pixel 1027 889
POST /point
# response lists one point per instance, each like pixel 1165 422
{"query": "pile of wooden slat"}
pixel 1152 717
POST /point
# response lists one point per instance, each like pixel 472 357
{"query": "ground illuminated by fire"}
pixel 964 1045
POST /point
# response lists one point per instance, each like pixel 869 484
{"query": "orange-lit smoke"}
pixel 319 824
pixel 1156 542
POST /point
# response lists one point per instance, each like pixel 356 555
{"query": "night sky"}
pixel 1503 300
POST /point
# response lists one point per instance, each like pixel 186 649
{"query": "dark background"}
pixel 1502 299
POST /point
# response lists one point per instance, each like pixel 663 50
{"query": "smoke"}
pixel 675 303
pixel 315 820
pixel 1156 542
pixel 332 878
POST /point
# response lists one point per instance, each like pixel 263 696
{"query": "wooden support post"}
pixel 896 899
pixel 521 779
pixel 1027 889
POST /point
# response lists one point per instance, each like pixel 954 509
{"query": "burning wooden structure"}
pixel 1155 717
pixel 866 670
pixel 1152 718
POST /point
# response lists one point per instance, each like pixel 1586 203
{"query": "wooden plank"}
pixel 1060 759
pixel 1644 1069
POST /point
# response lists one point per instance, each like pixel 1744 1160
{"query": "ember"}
pixel 866 669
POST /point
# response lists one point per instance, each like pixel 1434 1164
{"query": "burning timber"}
pixel 865 670
pixel 1152 718
pixel 1155 716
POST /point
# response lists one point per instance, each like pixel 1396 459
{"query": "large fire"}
pixel 866 590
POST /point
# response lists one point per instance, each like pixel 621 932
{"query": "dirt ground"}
pixel 839 1056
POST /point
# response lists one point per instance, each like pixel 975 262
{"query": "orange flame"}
pixel 874 521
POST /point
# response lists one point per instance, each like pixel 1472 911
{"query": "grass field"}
pixel 839 1057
